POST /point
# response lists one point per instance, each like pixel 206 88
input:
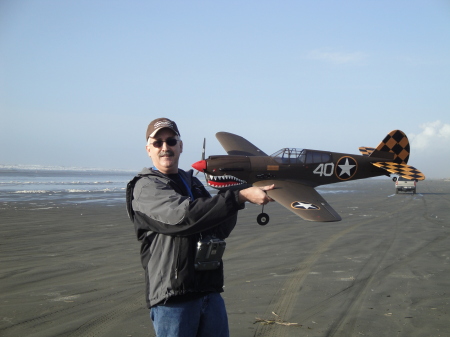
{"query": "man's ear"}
pixel 181 146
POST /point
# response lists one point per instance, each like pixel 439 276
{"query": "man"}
pixel 175 217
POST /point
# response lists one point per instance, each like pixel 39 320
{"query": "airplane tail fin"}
pixel 394 147
pixel 395 142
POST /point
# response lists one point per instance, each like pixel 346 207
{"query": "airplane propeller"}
pixel 204 149
pixel 203 155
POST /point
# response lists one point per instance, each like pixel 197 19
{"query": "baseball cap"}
pixel 161 123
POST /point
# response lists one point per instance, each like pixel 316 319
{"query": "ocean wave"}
pixel 104 190
pixel 31 192
pixel 71 190
pixel 20 167
pixel 335 191
pixel 15 183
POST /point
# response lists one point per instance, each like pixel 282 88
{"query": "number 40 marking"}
pixel 324 169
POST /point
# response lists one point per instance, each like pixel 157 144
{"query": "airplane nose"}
pixel 200 165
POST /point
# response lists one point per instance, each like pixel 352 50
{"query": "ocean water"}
pixel 62 185
pixel 55 185
pixel 77 185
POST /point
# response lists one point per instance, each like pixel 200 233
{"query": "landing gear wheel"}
pixel 263 219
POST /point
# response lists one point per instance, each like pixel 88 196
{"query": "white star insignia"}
pixel 346 168
pixel 304 205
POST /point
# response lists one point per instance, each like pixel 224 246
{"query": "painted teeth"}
pixel 225 178
pixel 223 181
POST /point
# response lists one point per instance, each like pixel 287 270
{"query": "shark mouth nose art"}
pixel 223 181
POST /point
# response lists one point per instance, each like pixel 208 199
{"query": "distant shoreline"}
pixel 20 167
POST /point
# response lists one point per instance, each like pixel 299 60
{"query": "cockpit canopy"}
pixel 301 156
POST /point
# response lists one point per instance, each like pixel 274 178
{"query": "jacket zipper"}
pixel 178 239
pixel 178 257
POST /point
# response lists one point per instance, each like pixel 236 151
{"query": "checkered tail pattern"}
pixel 402 170
pixel 397 143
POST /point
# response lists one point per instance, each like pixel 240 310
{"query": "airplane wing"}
pixel 366 151
pixel 372 152
pixel 402 170
pixel 236 145
pixel 303 200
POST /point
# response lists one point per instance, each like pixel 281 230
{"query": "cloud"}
pixel 336 57
pixel 435 135
pixel 430 149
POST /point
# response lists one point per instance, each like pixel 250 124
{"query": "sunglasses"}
pixel 169 142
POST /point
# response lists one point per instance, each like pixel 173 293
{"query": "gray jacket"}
pixel 169 224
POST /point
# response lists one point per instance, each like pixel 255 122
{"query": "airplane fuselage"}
pixel 310 167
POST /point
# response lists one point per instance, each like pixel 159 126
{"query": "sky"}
pixel 81 80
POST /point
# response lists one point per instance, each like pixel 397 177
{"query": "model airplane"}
pixel 296 172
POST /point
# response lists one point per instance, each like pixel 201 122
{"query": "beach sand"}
pixel 74 270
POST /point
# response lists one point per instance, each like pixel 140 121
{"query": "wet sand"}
pixel 74 270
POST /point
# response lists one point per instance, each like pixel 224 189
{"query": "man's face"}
pixel 165 158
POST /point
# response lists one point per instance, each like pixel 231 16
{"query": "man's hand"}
pixel 256 195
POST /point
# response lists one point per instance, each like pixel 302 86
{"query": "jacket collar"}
pixel 152 171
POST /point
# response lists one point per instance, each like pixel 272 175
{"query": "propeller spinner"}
pixel 200 165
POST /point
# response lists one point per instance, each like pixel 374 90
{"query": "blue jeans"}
pixel 203 317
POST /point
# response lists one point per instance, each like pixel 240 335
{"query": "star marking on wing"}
pixel 345 169
pixel 303 205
